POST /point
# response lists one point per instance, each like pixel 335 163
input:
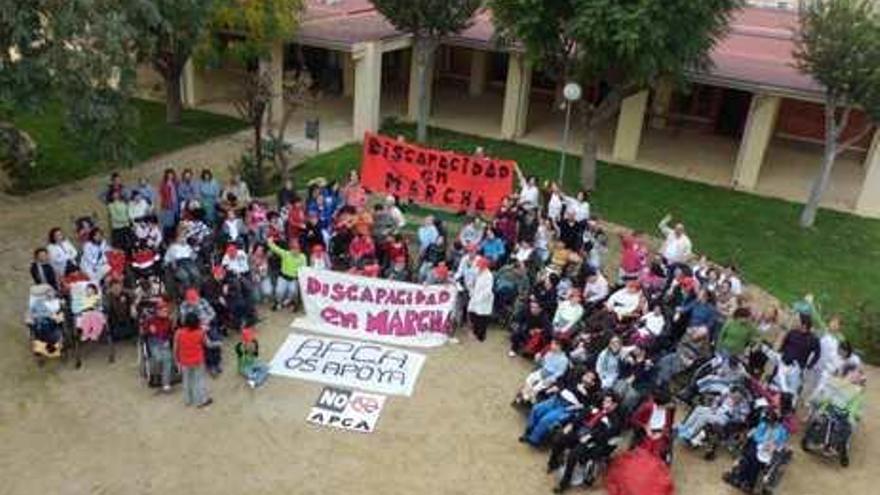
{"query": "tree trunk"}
pixel 820 184
pixel 424 54
pixel 173 103
pixel 588 158
pixel 258 152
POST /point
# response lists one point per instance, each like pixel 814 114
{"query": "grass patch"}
pixel 838 260
pixel 61 160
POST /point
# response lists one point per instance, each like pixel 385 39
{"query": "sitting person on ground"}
pixel 531 330
pixel 650 326
pixel 595 289
pixel 247 352
pixel 568 315
pixel 608 363
pixel 588 437
pixel 563 402
pixel 627 302
pixel 552 365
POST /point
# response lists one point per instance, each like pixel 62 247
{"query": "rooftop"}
pixel 756 54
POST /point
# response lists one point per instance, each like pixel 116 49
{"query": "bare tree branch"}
pixel 855 139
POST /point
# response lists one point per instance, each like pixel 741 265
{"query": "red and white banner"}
pixel 434 177
pixel 375 309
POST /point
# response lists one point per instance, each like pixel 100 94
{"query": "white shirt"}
pixel 467 272
pixel 397 215
pixel 178 251
pixel 482 296
pixel 529 195
pixel 676 249
pixel 94 260
pixel 138 209
pixel 653 323
pixel 596 290
pixel 623 302
pixel 237 264
pixel 554 207
pixel 60 254
pixel 567 314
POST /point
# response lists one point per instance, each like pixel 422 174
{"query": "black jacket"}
pixel 42 273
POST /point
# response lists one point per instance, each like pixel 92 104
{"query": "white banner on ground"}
pixel 375 309
pixel 347 410
pixel 347 363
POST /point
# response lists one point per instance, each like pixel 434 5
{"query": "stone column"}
pixel 516 97
pixel 630 122
pixel 868 202
pixel 760 125
pixel 347 75
pixel 367 87
pixel 479 72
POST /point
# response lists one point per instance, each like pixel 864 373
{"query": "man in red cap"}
pixel 247 352
pixel 482 299
pixel 398 269
pixel 235 261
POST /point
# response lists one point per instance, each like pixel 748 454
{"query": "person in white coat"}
pixel 482 299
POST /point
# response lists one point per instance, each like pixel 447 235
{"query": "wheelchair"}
pixel 829 434
pixel 769 475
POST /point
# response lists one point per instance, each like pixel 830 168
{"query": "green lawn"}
pixel 838 260
pixel 59 159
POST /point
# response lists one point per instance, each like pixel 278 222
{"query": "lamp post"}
pixel 572 93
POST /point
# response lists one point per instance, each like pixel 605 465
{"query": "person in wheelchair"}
pixel 181 261
pixel 552 365
pixel 713 379
pixel 835 410
pixel 728 409
pixel 587 437
pixel 765 453
pixel 563 401
pixel 45 319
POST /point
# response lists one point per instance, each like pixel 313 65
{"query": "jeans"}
pixel 161 359
pixel 286 291
pixel 544 417
pixel 258 373
pixel 264 290
pixel 195 388
pixel 699 418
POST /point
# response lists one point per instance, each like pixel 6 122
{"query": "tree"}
pixel 246 31
pixel 171 30
pixel 80 54
pixel 428 21
pixel 839 46
pixel 618 47
pixel 300 93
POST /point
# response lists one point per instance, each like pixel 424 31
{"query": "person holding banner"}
pixel 482 299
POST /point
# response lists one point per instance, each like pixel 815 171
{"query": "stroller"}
pixel 87 319
pixel 45 321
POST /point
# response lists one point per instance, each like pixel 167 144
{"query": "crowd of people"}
pixel 188 263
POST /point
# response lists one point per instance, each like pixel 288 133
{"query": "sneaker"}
pixel 511 354
pixel 166 389
pixel 206 403
pixel 454 340
pixel 252 384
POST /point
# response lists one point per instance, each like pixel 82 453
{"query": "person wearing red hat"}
pixel 158 330
pixel 235 261
pixel 247 351
pixel 190 342
pixel 319 259
pixel 194 304
pixel 398 270
pixel 482 299
pixel 439 275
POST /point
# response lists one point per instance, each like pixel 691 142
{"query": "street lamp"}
pixel 572 93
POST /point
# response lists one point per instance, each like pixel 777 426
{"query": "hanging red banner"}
pixel 434 177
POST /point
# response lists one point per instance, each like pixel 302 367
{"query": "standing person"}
pixel 236 191
pixel 554 203
pixel 353 192
pixel 114 186
pixel 427 233
pixel 189 349
pixel 187 190
pixel 168 203
pixel 138 206
pixel 482 299
pixel 677 248
pixel 41 269
pixel 159 331
pixel 146 191
pixel 529 194
pixel 120 223
pixel 62 254
pixel 286 194
pixel 209 195
pixel 801 345
pixel 287 285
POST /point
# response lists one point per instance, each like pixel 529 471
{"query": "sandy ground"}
pixel 97 430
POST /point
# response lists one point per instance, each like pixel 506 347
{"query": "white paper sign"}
pixel 348 363
pixel 375 309
pixel 347 410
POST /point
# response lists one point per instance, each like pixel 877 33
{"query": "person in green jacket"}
pixel 737 333
pixel 287 285
pixel 120 223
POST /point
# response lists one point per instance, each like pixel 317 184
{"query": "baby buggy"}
pixel 833 416
pixel 45 321
pixel 87 319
